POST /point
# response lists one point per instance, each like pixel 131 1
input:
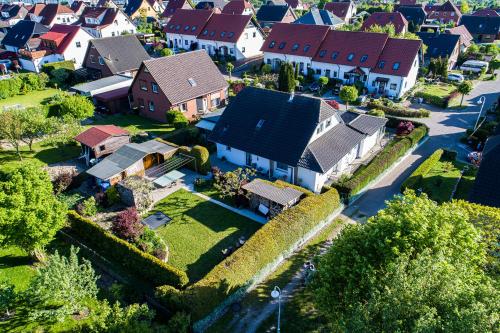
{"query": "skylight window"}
pixel 322 53
pixel 172 26
pixel 295 47
pixel 381 64
pixel 272 44
pixel 259 124
pixel 193 28
pixel 307 47
pixel 350 56
pixel 363 58
pixel 396 66
pixel 192 82
pixel 335 55
pixel 282 45
pixel 178 27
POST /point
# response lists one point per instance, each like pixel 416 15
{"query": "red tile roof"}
pixel 338 8
pixel 97 134
pixel 293 38
pixel 351 48
pixel 445 12
pixel 236 7
pixel 62 35
pixel 225 27
pixel 383 18
pixel 465 36
pixel 173 6
pixel 50 11
pixel 486 12
pixel 188 21
pixel 399 54
pixel 36 9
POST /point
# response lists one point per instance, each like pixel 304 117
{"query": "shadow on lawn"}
pixel 9 261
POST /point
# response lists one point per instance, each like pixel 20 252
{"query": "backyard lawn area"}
pixel 466 183
pixel 440 181
pixel 135 124
pixel 199 231
pixel 441 90
pixel 15 267
pixel 33 98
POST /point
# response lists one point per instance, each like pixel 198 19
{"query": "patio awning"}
pixel 282 196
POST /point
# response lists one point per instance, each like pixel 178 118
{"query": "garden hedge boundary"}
pixel 399 112
pixel 125 254
pixel 384 159
pixel 442 102
pixel 415 179
pixel 271 241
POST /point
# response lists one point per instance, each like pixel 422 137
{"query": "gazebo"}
pixel 269 199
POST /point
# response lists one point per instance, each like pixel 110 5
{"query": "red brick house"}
pixel 447 12
pixel 189 82
pixel 383 19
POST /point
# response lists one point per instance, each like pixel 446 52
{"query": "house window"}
pixel 246 35
pixel 393 86
pixel 102 147
pixel 184 107
pixel 306 48
pixel 381 64
pixel 243 50
pixel 185 42
pixel 254 34
pixel 350 57
pixel 320 129
pixel 78 44
pixel 328 123
pixel 295 47
pixel 215 102
pixel 154 87
pixel 151 106
pixel 322 53
pixel 335 74
pixel 406 83
pixel 395 66
pixel 113 34
pixel 363 58
pixel 282 45
pixel 92 60
pixel 327 72
pixel 228 148
pixel 271 45
pixel 318 71
pixel 143 85
pixel 231 51
pixel 335 55
pixel 101 61
pixel 281 166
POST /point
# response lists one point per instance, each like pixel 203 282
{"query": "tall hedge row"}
pixel 415 178
pixel 22 84
pixel 387 157
pixel 398 111
pixel 125 254
pixel 268 243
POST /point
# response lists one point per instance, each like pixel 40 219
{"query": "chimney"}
pixel 292 95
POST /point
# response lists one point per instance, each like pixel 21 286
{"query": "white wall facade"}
pixel 64 19
pixel 275 59
pixel 180 41
pixel 77 48
pixel 249 43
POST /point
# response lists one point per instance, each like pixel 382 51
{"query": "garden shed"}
pixel 270 199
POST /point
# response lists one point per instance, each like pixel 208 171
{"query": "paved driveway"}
pixel 446 128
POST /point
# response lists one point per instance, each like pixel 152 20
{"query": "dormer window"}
pixel 350 56
pixel 381 64
pixel 335 55
pixel 307 47
pixel 363 58
pixel 282 45
pixel 186 28
pixel 205 32
pixel 322 53
pixel 272 44
pixel 396 66
pixel 295 47
pixel 222 34
pixel 230 35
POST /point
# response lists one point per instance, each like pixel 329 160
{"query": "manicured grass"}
pixel 33 98
pixel 135 124
pixel 441 90
pixel 441 179
pixel 207 187
pixel 199 231
pixel 16 267
pixel 465 184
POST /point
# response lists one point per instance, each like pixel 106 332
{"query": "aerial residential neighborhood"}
pixel 249 166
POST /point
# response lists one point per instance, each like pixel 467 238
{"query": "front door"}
pixel 381 87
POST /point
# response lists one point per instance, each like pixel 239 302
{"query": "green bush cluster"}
pixel 201 156
pixel 440 101
pixel 123 253
pixel 398 111
pixel 184 136
pixel 22 84
pixel 177 119
pixel 67 64
pixel 274 238
pixel 384 159
pixel 415 179
pixel 376 113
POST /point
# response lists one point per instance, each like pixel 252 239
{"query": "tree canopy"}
pixel 416 266
pixel 286 79
pixel 348 94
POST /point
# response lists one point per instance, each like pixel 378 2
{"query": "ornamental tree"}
pixel 76 107
pixel 30 214
pixel 229 69
pixel 464 88
pixel 348 94
pixel 286 79
pixel 127 225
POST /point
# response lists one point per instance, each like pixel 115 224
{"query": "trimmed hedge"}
pixel 415 179
pixel 184 136
pixel 398 111
pixel 201 156
pixel 268 243
pixel 384 159
pixel 442 102
pixel 125 254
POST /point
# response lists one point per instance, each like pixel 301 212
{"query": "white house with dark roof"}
pixel 299 139
pixel 105 22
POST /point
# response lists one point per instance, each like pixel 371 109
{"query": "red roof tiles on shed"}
pixel 225 27
pixel 188 21
pixel 297 39
pixel 97 134
pixel 383 18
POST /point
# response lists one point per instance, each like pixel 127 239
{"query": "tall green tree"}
pixel 348 94
pixel 30 214
pixel 286 80
pixel 12 128
pixel 372 279
pixel 36 125
pixel 76 107
pixel 229 69
pixel 464 88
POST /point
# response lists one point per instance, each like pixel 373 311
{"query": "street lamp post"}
pixel 481 101
pixel 276 293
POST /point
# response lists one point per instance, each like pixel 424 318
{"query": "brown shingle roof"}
pixel 465 36
pixel 186 76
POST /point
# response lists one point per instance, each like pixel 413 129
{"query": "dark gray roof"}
pixel 367 124
pixel 439 45
pixel 125 157
pixel 286 126
pixel 282 196
pixel 326 151
pixel 20 33
pixel 414 14
pixel 185 76
pixel 272 13
pixel 477 25
pixel 348 116
pixel 120 53
pixel 88 87
pixel 319 17
pixel 487 184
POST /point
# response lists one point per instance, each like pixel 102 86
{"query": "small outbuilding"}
pixel 269 199
pixel 101 140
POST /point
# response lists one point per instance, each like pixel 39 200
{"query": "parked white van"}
pixel 474 66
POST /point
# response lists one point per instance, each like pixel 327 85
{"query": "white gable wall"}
pixel 249 43
pixel 121 23
pixel 75 52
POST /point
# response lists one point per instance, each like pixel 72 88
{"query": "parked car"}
pixel 474 66
pixel 314 87
pixel 456 77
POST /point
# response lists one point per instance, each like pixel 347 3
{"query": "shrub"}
pixel 266 69
pixel 269 242
pixel 124 254
pixel 442 102
pixel 177 119
pixel 112 196
pixel 88 207
pixel 171 298
pixel 126 225
pixel 398 111
pixel 62 181
pixel 415 179
pixel 384 159
pixel 376 113
pixel 404 128
pixel 333 103
pixel 184 136
pixel 201 163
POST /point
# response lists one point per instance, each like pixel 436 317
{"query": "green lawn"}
pixel 466 183
pixel 207 188
pixel 135 124
pixel 199 231
pixel 15 267
pixel 441 90
pixel 33 98
pixel 441 179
